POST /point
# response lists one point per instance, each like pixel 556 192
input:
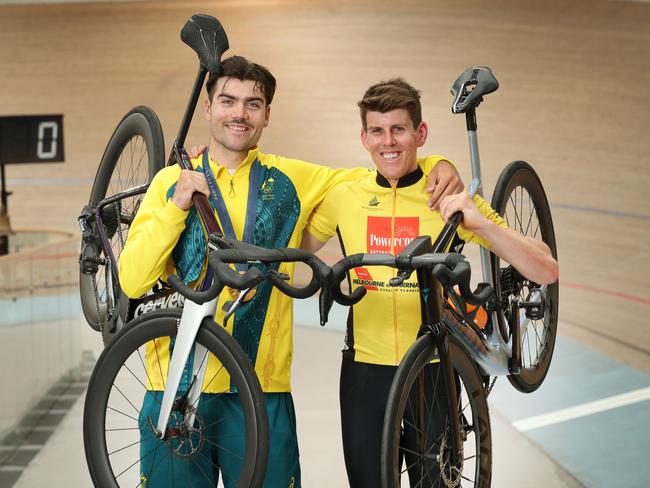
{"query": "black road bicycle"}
pixel 437 427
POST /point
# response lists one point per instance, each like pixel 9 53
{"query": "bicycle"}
pixel 418 426
pixel 169 358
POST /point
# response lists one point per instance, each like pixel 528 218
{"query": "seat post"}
pixel 472 126
pixel 191 106
pixel 470 119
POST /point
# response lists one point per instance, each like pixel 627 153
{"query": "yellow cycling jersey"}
pixel 164 239
pixel 372 217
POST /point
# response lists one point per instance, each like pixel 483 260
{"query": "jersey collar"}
pixel 252 156
pixel 406 180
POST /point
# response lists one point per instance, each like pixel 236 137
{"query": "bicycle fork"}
pixel 193 315
pixel 439 332
pixel 432 312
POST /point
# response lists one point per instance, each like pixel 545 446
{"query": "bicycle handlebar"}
pixel 248 253
pixel 449 268
pixel 241 252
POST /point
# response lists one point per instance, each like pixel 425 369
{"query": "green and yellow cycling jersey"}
pixel 372 217
pixel 164 239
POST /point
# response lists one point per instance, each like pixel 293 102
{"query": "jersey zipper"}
pixel 231 192
pixel 394 291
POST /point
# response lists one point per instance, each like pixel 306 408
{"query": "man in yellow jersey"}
pixel 381 213
pixel 263 199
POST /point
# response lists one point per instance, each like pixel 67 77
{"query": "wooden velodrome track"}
pixel 573 101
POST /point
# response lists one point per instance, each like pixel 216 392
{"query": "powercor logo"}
pixel 373 202
pixel 380 237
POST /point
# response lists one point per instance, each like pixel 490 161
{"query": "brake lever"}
pixel 325 302
pixel 282 276
pixel 233 305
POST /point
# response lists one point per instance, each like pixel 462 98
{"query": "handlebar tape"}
pixel 293 291
pixel 461 275
pixel 339 271
pixel 199 297
pixel 247 253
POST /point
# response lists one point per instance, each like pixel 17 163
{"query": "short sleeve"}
pixel 488 212
pixel 324 219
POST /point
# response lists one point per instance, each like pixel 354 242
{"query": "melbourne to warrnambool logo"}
pixel 373 204
pixel 381 239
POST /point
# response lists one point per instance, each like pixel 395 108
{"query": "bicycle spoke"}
pixel 124 396
pixel 108 407
pixel 125 447
pixel 153 467
pixel 219 421
pixel 240 457
pixel 198 466
pixel 531 214
pixel 138 461
pixel 144 367
pixel 125 428
pixel 213 377
pixel 423 477
pixel 136 378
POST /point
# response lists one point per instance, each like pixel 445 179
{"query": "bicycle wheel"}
pixel 520 199
pixel 121 412
pixel 415 439
pixel 133 156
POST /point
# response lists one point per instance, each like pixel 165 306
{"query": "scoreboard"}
pixel 31 139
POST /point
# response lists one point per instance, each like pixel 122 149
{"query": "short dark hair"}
pixel 391 95
pixel 242 69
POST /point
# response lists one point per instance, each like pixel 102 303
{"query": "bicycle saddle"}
pixel 206 36
pixel 470 87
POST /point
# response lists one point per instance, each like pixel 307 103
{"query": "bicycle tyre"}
pixel 520 199
pixel 475 420
pixel 105 405
pixel 134 154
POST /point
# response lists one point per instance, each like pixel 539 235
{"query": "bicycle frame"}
pixel 496 362
pixel 500 357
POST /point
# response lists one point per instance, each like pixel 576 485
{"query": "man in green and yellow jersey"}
pixel 263 199
pixel 382 212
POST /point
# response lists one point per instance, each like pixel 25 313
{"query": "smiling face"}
pixel 392 142
pixel 238 114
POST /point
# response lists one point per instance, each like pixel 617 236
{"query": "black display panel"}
pixel 31 139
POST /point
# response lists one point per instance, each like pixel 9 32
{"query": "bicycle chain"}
pixel 100 322
pixel 490 386
pixel 118 211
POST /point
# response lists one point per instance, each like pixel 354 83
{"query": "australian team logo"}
pixel 268 189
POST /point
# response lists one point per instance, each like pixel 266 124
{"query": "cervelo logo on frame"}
pixel 174 300
pixel 379 234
